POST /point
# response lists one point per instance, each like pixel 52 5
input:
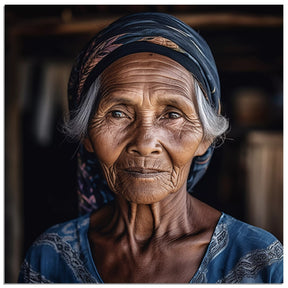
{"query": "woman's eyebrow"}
pixel 117 100
pixel 177 100
pixel 180 102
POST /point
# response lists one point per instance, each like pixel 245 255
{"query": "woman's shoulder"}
pixel 246 253
pixel 241 253
pixel 63 244
pixel 244 234
pixel 69 227
pixel 66 233
pixel 69 232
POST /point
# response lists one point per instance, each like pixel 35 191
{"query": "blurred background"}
pixel 245 177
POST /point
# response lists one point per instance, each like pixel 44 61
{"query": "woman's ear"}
pixel 203 146
pixel 87 144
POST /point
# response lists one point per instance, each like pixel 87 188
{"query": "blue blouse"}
pixel 237 253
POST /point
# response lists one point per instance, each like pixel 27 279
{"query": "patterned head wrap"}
pixel 142 32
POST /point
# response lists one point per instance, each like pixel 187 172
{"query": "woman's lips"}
pixel 140 172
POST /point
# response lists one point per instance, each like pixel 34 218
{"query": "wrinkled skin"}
pixel 145 134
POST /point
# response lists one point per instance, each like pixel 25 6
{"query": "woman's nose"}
pixel 144 142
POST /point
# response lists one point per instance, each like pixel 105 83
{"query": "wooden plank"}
pixel 56 26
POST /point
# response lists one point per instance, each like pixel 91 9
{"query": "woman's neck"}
pixel 170 217
pixel 172 234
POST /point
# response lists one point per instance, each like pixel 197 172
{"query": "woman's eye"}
pixel 118 114
pixel 172 115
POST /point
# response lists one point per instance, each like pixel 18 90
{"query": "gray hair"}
pixel 214 125
pixel 76 124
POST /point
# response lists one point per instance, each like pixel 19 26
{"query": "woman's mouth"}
pixel 140 172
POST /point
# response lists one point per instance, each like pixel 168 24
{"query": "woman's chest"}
pixel 118 263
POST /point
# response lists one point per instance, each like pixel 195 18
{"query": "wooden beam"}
pixel 56 26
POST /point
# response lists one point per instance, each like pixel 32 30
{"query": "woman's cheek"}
pixel 110 175
pixel 183 143
pixel 108 144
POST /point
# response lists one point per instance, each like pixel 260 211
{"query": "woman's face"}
pixel 146 130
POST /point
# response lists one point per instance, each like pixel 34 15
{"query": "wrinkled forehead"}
pixel 136 70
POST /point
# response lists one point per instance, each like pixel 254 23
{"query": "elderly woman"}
pixel 144 104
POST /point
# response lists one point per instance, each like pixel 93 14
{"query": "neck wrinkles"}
pixel 169 218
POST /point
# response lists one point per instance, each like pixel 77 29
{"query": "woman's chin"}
pixel 144 195
pixel 143 189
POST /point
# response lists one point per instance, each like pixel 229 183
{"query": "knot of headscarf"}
pixel 142 32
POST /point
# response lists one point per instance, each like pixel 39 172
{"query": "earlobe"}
pixel 202 148
pixel 87 144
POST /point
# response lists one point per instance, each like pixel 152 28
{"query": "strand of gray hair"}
pixel 214 125
pixel 76 126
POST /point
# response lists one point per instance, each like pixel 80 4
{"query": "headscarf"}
pixel 141 32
